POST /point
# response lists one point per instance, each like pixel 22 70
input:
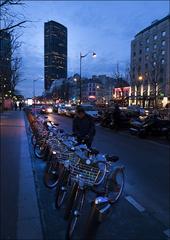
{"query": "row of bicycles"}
pixel 75 170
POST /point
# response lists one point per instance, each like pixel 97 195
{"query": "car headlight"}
pixel 49 110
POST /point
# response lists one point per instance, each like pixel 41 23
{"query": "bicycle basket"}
pixel 88 173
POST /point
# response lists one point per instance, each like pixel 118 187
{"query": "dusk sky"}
pixel 106 27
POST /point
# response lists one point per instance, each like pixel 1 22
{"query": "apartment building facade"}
pixel 150 65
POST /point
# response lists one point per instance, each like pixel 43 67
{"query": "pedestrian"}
pixel 116 116
pixel 15 106
pixel 83 127
pixel 20 106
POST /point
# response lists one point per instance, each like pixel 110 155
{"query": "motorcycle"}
pixel 150 126
pixel 108 120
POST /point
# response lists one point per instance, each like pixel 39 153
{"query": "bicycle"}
pixel 90 179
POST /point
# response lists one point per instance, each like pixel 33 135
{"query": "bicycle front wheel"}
pixel 70 201
pixel 51 175
pixel 78 205
pixel 115 184
pixel 39 150
pixel 61 188
pixel 33 140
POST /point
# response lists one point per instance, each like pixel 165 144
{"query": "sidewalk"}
pixel 20 218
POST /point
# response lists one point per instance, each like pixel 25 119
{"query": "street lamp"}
pixel 81 57
pixel 140 77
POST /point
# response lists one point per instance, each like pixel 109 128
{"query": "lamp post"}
pixel 81 57
pixel 34 92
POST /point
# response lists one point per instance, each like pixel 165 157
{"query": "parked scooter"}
pixel 106 119
pixel 152 125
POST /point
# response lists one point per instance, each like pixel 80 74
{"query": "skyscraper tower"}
pixel 55 52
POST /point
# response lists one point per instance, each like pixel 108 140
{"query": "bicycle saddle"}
pixel 112 158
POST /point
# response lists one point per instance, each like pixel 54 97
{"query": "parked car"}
pixel 70 111
pixel 90 110
pixel 135 110
pixel 55 108
pixel 46 109
pixel 62 110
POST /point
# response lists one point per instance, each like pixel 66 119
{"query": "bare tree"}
pixel 8 18
pixel 121 80
pixel 16 74
pixel 154 75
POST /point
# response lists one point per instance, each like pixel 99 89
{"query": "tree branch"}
pixel 14 26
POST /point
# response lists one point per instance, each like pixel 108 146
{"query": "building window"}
pixel 163 52
pixel 147 49
pixel 139 69
pixel 154 63
pixel 154 46
pixel 163 43
pixel 146 57
pixel 147 40
pixel 155 37
pixel 162 61
pixel 154 55
pixel 163 34
pixel 140 51
pixel 134 54
pixel 161 70
pixel 146 65
pixel 140 59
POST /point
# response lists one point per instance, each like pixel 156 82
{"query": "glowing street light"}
pixel 140 77
pixel 81 57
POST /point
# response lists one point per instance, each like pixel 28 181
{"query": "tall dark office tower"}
pixel 55 52
pixel 5 62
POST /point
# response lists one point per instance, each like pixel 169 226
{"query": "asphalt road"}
pixel 147 166
pixel 143 211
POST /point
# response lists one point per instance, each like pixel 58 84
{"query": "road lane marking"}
pixel 132 201
pixel 167 233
